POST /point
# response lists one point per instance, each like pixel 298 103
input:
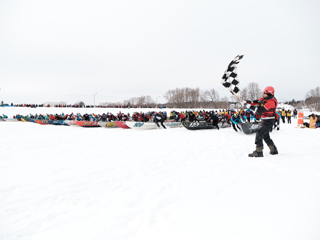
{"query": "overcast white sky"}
pixel 63 50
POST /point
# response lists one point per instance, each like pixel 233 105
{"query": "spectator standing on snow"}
pixel 289 116
pixel 283 115
pixel 295 113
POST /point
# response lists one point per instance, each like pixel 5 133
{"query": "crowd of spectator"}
pixel 73 106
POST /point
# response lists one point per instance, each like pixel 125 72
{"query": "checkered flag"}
pixel 230 77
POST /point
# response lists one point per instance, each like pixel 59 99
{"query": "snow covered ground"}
pixel 59 182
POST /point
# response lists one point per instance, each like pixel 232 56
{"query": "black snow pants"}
pixel 289 120
pixel 263 133
pixel 161 122
pixel 234 127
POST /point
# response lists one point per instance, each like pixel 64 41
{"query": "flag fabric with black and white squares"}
pixel 230 77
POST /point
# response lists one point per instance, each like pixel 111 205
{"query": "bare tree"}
pixel 313 98
pixel 140 101
pixel 169 97
pixel 254 92
pixel 180 97
pixel 80 104
pixel 175 98
pixel 193 97
pixel 149 101
pixel 224 102
pixel 313 93
pixel 244 94
pixel 130 102
pixel 210 96
pixel 134 101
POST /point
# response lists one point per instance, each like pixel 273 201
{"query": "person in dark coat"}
pixel 103 117
pixel 214 119
pixel 192 117
pixel 159 117
pixel 86 117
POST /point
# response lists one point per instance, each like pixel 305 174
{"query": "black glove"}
pixel 248 101
pixel 252 107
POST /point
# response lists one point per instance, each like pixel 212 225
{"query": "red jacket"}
pixel 267 107
pixel 227 116
pixel 181 116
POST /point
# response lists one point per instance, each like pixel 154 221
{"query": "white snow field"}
pixel 64 183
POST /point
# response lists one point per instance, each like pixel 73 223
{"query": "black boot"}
pixel 257 153
pixel 273 149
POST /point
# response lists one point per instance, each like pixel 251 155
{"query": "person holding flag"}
pixel 266 107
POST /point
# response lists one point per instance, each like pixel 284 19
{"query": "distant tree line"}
pixel 192 98
pixel 195 98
